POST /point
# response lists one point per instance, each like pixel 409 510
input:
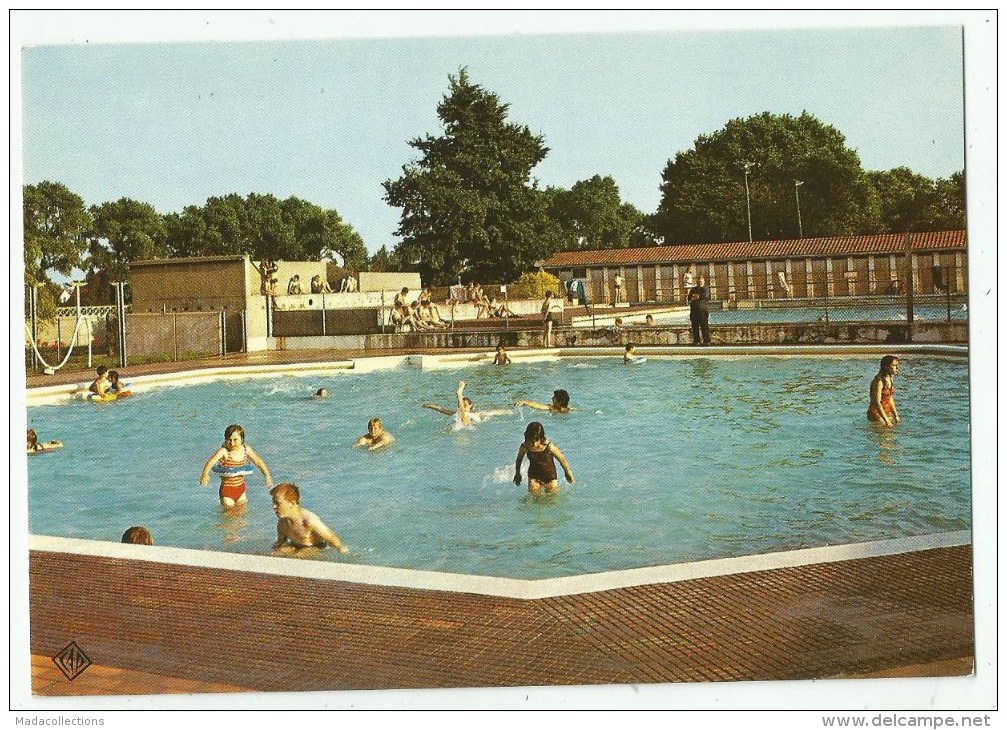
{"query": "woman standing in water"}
pixel 882 408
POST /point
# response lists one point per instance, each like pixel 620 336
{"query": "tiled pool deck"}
pixel 155 628
pixel 163 627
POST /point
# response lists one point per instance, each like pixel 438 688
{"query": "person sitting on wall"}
pixel 499 310
pixel 429 314
pixel 402 319
pixel 432 314
pixel 294 286
pixel 348 284
pixel 267 270
pixel 320 285
pixel 402 298
pixel 415 313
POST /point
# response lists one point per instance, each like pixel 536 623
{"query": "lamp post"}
pixel 797 194
pixel 748 198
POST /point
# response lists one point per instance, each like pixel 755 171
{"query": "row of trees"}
pixel 470 206
pixel 802 179
pixel 469 202
pixel 61 234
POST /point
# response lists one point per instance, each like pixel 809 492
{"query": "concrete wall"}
pixel 379 299
pixel 285 271
pixel 389 281
pixel 190 285
pixel 760 334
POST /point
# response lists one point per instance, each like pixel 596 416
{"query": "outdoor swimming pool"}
pixel 676 460
pixel 774 315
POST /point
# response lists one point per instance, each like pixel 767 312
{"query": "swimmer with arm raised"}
pixel 466 416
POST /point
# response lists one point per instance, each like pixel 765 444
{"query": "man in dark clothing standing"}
pixel 699 311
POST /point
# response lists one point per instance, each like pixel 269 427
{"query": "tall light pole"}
pixel 797 194
pixel 748 198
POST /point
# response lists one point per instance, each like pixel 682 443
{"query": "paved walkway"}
pixel 171 628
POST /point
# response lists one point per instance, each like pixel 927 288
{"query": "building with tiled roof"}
pixel 801 268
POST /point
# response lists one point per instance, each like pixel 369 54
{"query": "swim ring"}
pixel 85 394
pixel 233 471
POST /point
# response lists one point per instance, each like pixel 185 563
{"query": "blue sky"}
pixel 329 119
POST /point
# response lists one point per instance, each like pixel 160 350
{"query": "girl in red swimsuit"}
pixel 233 455
pixel 882 408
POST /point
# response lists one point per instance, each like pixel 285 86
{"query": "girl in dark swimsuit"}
pixel 541 461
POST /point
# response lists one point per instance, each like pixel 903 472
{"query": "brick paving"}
pixel 153 628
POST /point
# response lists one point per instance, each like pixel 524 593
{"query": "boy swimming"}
pixel 560 403
pixel 297 526
pixel 376 436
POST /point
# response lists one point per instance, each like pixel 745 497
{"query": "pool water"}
pixel 676 460
pixel 774 315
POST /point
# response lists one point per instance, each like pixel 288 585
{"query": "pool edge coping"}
pixel 515 588
pixel 49 394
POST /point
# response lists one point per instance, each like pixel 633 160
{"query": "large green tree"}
pixel 703 189
pixel 468 203
pixel 913 202
pixel 263 227
pixel 123 231
pixel 592 215
pixel 948 209
pixel 56 225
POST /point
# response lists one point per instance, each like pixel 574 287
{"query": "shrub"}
pixel 534 285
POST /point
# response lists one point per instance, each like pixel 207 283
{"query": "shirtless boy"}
pixel 297 526
pixel 376 436
pixel 100 384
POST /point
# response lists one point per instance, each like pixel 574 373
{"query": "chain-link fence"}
pixel 149 337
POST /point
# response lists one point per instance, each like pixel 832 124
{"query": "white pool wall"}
pixel 48 395
pixel 491 586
